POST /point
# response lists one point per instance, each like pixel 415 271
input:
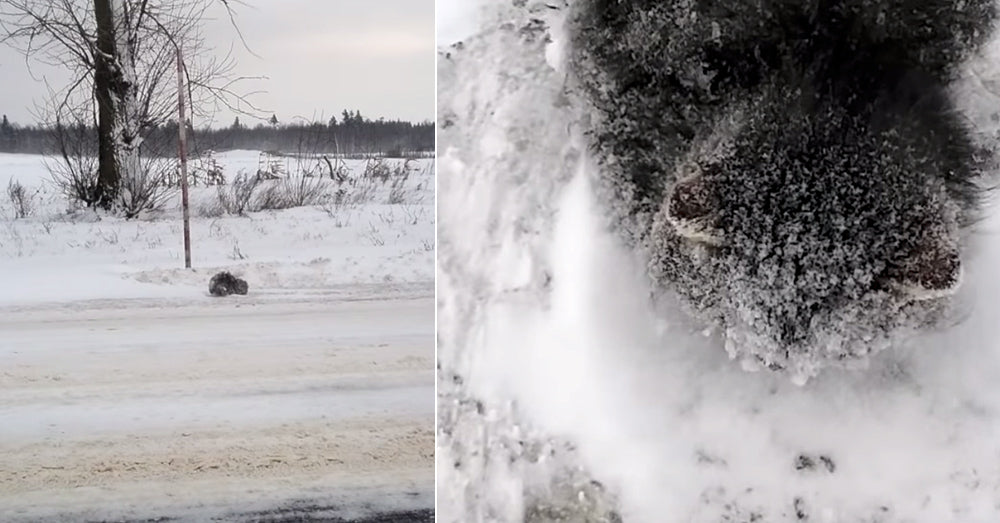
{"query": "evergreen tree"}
pixel 7 136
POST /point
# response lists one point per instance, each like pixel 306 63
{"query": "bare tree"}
pixel 120 55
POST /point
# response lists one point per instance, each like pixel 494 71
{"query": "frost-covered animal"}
pixel 224 284
pixel 794 169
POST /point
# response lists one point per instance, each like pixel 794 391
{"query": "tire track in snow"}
pixel 215 409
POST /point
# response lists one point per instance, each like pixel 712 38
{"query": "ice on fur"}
pixel 796 171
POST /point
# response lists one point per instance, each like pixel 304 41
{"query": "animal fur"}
pixel 224 284
pixel 795 170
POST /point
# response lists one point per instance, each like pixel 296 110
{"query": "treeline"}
pixel 352 134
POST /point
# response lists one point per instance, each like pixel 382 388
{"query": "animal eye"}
pixel 692 210
pixel 932 270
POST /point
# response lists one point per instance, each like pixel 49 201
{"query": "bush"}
pixel 210 209
pixel 76 178
pixel 237 197
pixel 377 169
pixel 75 172
pixel 296 191
pixel 146 190
pixel 301 191
pixel 339 172
pixel 251 193
pixel 21 199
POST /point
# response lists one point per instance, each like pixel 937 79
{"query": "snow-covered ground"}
pixel 566 394
pixel 59 254
pixel 130 393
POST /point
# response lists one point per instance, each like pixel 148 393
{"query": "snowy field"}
pixel 567 394
pixel 129 393
pixel 64 254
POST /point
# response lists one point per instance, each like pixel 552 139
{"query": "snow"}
pixel 59 254
pixel 237 405
pixel 130 393
pixel 566 393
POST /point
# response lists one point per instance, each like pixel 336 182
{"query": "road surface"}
pixel 274 408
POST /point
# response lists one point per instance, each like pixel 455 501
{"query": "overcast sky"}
pixel 319 56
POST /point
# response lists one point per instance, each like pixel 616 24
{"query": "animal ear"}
pixel 932 270
pixel 692 210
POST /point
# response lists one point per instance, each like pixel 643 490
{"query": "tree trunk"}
pixel 118 115
pixel 127 112
pixel 106 76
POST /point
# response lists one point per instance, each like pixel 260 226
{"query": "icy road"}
pixel 276 407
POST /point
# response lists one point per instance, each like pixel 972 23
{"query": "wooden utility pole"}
pixel 182 145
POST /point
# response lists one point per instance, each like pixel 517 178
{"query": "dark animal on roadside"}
pixel 224 284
